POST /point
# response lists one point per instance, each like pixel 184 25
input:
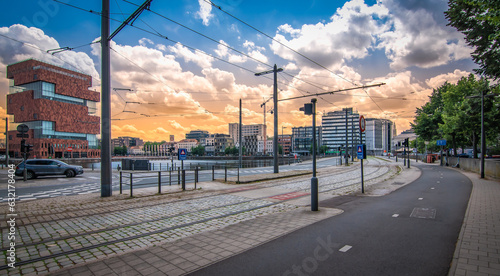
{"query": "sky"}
pixel 184 65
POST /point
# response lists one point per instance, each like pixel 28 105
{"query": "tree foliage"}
pixel 479 21
pixel 454 113
pixel 198 150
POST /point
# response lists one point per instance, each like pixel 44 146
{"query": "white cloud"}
pixel 349 35
pixel 452 78
pixel 205 12
pixel 198 58
pixel 419 36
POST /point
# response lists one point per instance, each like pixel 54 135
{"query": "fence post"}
pixel 238 175
pixel 160 166
pixel 225 174
pixel 121 182
pixel 178 176
pixel 213 173
pixel 183 180
pixel 133 162
pixel 195 176
pixel 159 182
pixel 131 181
pixel 92 166
pixel 170 178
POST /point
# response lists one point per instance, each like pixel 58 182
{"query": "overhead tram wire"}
pixel 289 48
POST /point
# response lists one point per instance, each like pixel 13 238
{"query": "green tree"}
pixel 198 150
pixel 323 149
pixel 479 21
pixel 429 116
pixel 280 149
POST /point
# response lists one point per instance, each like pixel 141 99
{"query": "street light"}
pixel 483 137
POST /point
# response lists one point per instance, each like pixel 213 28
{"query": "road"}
pixel 89 182
pixel 411 231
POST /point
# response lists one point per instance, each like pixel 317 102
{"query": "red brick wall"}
pixel 67 117
pixel 23 73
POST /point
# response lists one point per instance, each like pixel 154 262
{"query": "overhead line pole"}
pixel 106 169
pixel 275 101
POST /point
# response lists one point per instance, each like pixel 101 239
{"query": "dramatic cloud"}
pixel 419 35
pixel 205 12
pixel 349 35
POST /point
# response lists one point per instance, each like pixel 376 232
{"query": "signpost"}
pixel 441 143
pixel 362 148
pixel 182 156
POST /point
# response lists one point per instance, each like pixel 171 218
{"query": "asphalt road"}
pixel 385 235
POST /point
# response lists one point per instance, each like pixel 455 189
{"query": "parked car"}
pixel 40 167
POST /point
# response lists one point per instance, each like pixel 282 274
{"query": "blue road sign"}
pixel 441 142
pixel 362 151
pixel 182 154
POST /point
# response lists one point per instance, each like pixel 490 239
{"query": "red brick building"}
pixel 58 108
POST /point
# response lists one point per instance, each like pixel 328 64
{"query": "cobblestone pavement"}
pixel 478 246
pixel 63 232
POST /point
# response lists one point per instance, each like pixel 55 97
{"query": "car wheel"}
pixel 30 175
pixel 69 173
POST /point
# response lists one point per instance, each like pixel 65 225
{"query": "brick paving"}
pixel 478 245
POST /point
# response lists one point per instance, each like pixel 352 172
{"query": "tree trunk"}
pixel 474 144
pixel 454 143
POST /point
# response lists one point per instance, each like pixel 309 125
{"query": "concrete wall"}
pixel 491 167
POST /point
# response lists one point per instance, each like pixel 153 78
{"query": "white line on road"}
pixel 432 188
pixel 420 198
pixel 395 215
pixel 345 248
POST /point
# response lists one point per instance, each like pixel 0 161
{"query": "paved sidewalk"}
pixel 478 245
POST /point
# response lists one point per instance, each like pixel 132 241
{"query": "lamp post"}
pixel 310 109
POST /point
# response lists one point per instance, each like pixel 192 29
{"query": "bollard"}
pixel 238 175
pixel 170 178
pixel 195 176
pixel 131 181
pixel 159 182
pixel 178 176
pixel 160 166
pixel 92 166
pixel 183 180
pixel 213 173
pixel 225 174
pixel 120 182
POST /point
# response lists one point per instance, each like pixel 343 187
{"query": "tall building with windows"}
pixel 302 138
pixel 197 134
pixel 379 136
pixel 57 106
pixel 337 126
pixel 246 130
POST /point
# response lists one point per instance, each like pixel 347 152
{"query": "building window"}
pixel 22 107
pixel 10 137
pixel 35 116
pixel 35 76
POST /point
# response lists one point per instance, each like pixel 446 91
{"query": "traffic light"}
pixel 23 146
pixel 308 109
pixel 29 148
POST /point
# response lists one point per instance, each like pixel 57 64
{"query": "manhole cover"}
pixel 425 213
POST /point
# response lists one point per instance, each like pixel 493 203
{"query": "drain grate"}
pixel 424 213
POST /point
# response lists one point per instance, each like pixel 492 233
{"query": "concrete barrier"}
pixel 491 166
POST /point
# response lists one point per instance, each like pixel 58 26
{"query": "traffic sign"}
pixel 441 142
pixel 182 154
pixel 23 128
pixel 70 149
pixel 362 124
pixel 22 135
pixel 361 151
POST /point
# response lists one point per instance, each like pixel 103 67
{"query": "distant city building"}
pixel 334 129
pixel 172 138
pixel 379 135
pixel 246 130
pixel 197 134
pixel 251 144
pixel 58 108
pixel 127 142
pixel 187 144
pixel 286 143
pixel 216 144
pixel 302 138
pixel 268 148
pixel 397 141
pixel 136 150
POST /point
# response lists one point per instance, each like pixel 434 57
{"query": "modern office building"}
pixel 246 130
pixel 58 108
pixel 302 138
pixel 127 142
pixel 216 144
pixel 379 135
pixel 340 128
pixel 197 134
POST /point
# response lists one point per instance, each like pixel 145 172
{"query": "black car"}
pixel 39 167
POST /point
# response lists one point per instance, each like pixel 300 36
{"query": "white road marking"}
pixel 395 215
pixel 345 248
pixel 438 182
pixel 432 188
pixel 420 198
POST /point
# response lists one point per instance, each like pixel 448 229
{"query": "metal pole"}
pixel 106 179
pixel 314 179
pixel 275 138
pixel 346 140
pixel 352 138
pixel 159 182
pixel 121 178
pixel 131 181
pixel 240 138
pixel 483 138
pixel 7 141
pixel 362 174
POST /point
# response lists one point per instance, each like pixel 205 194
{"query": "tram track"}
pixel 70 242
